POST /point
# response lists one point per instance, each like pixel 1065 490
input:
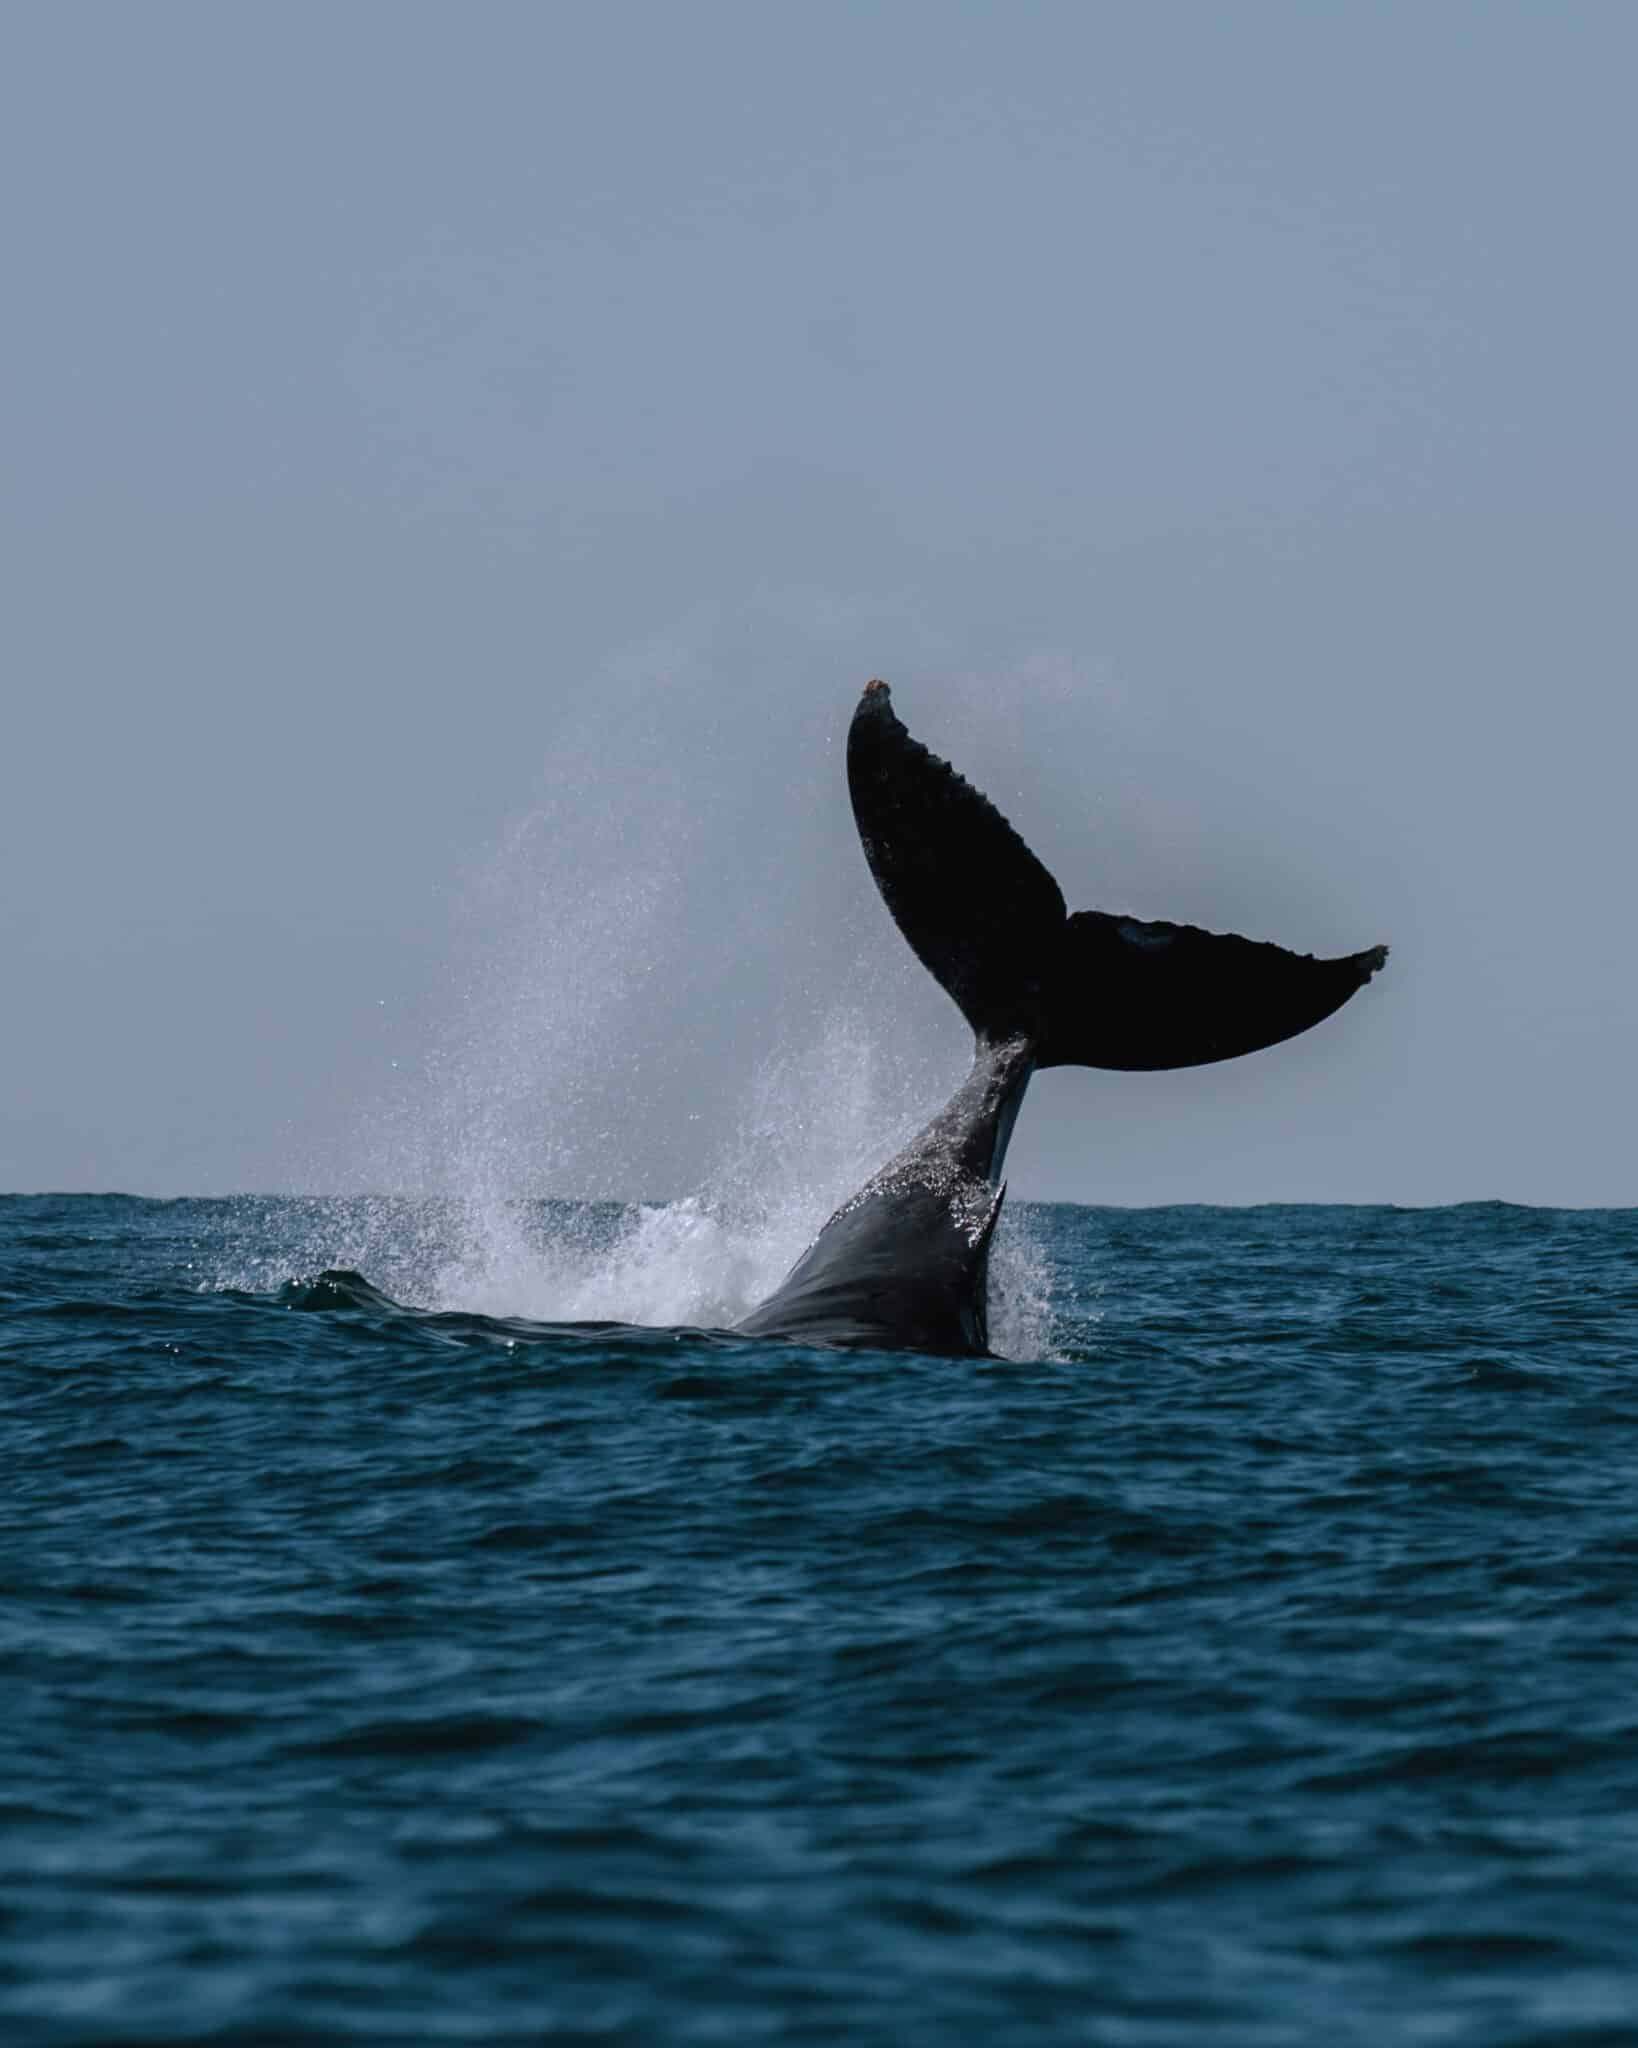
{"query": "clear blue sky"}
pixel 462 462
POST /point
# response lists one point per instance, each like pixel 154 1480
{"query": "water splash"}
pixel 1023 1320
pixel 619 963
pixel 819 1116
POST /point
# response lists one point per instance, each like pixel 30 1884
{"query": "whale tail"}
pixel 990 924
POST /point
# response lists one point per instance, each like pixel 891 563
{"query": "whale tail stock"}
pixel 1090 989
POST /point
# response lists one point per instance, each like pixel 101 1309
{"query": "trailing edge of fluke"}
pixel 903 1263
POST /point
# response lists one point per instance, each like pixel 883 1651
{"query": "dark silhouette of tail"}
pixel 990 924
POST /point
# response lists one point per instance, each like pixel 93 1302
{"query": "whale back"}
pixel 900 1268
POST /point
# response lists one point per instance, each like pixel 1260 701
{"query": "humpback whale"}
pixel 903 1264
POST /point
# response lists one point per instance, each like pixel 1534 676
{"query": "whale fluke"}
pixel 904 1262
pixel 1097 990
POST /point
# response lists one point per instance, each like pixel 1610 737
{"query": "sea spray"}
pixel 819 1115
pixel 640 997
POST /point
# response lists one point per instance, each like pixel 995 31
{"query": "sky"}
pixel 461 464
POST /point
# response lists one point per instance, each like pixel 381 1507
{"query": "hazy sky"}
pixel 461 463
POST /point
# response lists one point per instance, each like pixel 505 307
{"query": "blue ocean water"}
pixel 1259 1667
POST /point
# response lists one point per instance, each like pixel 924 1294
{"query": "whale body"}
pixel 903 1264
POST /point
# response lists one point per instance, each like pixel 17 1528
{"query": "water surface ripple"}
pixel 1265 1663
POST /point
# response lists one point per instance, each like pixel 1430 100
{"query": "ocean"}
pixel 1251 1658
